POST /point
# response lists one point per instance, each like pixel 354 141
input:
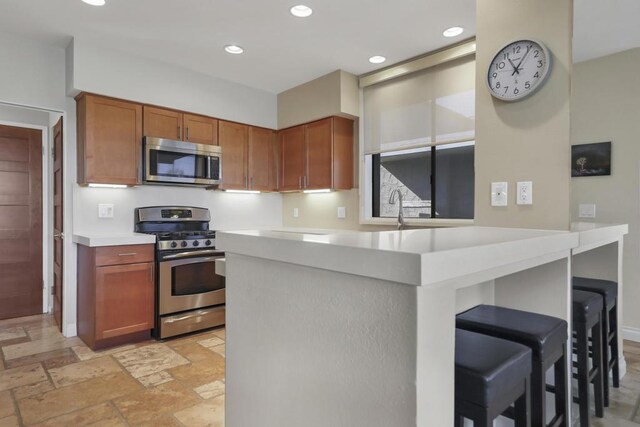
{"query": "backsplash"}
pixel 228 211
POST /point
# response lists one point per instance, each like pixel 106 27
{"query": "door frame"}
pixel 68 317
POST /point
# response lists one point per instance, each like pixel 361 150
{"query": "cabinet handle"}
pixel 179 132
pixel 299 182
pixel 151 275
pixel 128 254
pixel 245 182
pixel 187 133
pixel 251 187
pixel 306 182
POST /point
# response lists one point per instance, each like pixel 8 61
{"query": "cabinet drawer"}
pixel 127 254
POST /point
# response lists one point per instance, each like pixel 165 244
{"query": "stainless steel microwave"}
pixel 181 163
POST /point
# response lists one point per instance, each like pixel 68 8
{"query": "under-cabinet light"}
pixel 324 190
pixel 95 2
pixel 243 191
pixel 107 186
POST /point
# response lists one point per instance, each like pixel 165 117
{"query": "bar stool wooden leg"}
pixel 598 383
pixel 606 328
pixel 523 408
pixel 582 349
pixel 615 355
pixel 560 385
pixel 538 394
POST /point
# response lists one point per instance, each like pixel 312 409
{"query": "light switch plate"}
pixel 342 212
pixel 105 210
pixel 524 193
pixel 499 193
pixel 587 210
pixel 296 212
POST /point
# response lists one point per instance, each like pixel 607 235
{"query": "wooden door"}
pixel 162 123
pixel 319 137
pixel 260 158
pixel 124 299
pixel 292 153
pixel 58 225
pixel 200 129
pixel 109 140
pixel 232 138
pixel 20 222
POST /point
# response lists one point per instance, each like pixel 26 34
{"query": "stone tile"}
pixel 149 360
pixel 28 320
pixel 24 375
pixel 166 420
pixel 220 333
pixel 85 353
pixel 202 336
pixel 219 349
pixel 50 359
pixel 211 342
pixel 41 346
pixel 103 415
pixel 11 333
pixel 83 371
pixel 209 413
pixel 207 391
pixel 15 341
pixel 65 400
pixel 42 332
pixel 6 404
pixel 150 404
pixel 32 389
pixel 200 373
pixel 195 352
pixel 11 421
pixel 156 379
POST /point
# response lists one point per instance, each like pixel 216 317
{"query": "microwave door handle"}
pixel 209 168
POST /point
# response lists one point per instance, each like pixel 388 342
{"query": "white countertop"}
pixel 594 234
pixel 95 239
pixel 416 257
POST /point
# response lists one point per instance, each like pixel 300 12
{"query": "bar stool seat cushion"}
pixel 488 367
pixel 606 288
pixel 586 305
pixel 539 332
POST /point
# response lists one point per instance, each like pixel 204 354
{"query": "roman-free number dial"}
pixel 518 70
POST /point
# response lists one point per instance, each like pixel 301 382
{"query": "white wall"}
pixel 605 101
pixel 108 72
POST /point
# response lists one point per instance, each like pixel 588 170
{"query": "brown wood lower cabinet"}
pixel 115 294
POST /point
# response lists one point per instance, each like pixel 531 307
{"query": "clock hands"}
pixel 517 69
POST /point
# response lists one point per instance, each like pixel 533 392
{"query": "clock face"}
pixel 518 70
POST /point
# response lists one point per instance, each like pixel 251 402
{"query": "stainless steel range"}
pixel 189 294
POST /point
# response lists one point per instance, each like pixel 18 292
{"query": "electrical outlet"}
pixel 499 193
pixel 342 212
pixel 524 193
pixel 296 213
pixel 105 210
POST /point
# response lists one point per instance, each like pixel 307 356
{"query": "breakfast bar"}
pixel 357 328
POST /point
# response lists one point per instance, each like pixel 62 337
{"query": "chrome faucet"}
pixel 392 201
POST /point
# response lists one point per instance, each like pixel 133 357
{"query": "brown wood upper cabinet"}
pixel 317 155
pixel 109 140
pixel 178 126
pixel 248 160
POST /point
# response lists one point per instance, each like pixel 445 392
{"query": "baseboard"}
pixel 71 330
pixel 631 334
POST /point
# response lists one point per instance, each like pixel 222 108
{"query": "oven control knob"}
pixel 174 244
pixel 183 244
pixel 196 243
pixel 208 243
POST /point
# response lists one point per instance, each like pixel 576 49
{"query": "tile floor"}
pixel 49 380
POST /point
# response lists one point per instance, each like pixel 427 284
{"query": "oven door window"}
pixel 178 165
pixel 197 278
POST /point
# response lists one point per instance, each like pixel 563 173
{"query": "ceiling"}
pixel 282 51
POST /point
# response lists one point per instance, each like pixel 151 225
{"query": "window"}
pixel 419 132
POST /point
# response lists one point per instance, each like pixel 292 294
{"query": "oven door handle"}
pixel 193 254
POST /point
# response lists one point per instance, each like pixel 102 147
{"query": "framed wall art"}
pixel 591 159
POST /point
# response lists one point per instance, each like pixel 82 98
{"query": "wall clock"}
pixel 518 70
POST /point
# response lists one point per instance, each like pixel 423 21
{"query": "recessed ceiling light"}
pixel 95 2
pixel 301 11
pixel 377 59
pixel 232 48
pixel 453 31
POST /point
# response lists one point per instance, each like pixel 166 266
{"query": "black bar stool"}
pixel 587 313
pixel 491 375
pixel 610 352
pixel 546 336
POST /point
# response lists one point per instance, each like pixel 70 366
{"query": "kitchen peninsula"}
pixel 357 329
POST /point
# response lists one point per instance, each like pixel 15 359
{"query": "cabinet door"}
pixel 200 129
pixel 260 158
pixel 162 123
pixel 292 153
pixel 124 299
pixel 232 138
pixel 342 153
pixel 319 137
pixel 110 132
